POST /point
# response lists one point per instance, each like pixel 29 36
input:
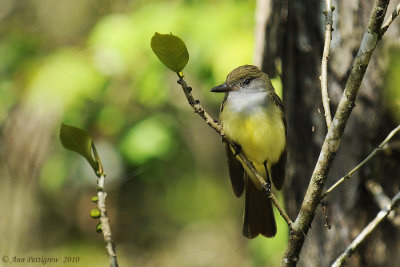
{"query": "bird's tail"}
pixel 258 214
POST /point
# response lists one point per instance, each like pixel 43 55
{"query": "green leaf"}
pixel 78 140
pixel 99 228
pixel 170 50
pixel 95 213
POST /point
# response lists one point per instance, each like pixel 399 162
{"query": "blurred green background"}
pixel 89 64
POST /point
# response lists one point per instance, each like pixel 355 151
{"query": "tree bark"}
pixel 351 206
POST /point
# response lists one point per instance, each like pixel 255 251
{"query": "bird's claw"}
pixel 267 188
pixel 236 149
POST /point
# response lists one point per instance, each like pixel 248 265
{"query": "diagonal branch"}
pixel 367 231
pixel 362 163
pixel 382 200
pixel 198 108
pixel 395 14
pixel 334 135
pixel 195 104
pixel 324 65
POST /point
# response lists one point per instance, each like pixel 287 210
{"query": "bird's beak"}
pixel 222 88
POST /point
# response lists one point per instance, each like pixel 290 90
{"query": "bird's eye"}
pixel 247 81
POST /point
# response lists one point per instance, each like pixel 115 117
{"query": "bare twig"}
pixel 393 147
pixel 366 231
pixel 281 211
pixel 195 104
pixel 105 225
pixel 198 108
pixel 377 192
pixel 382 200
pixel 324 208
pixel 395 13
pixel 362 163
pixel 333 138
pixel 324 65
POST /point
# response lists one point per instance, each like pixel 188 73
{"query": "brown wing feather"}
pixel 278 170
pixel 236 171
pixel 278 102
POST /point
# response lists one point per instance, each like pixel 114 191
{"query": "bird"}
pixel 253 121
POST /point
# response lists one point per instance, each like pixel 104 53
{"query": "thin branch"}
pixel 334 135
pixel 195 104
pixel 105 225
pixel 281 211
pixel 376 191
pixel 395 13
pixel 362 163
pixel 324 65
pixel 198 108
pixel 393 147
pixel 382 200
pixel 324 209
pixel 367 231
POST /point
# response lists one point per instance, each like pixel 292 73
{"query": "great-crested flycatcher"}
pixel 253 119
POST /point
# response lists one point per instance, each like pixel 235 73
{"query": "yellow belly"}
pixel 260 134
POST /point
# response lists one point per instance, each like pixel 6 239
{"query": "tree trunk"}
pixel 351 206
pixel 24 141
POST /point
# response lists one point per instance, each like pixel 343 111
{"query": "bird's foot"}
pixel 267 188
pixel 236 149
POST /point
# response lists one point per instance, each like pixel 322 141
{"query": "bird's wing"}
pixel 278 170
pixel 236 171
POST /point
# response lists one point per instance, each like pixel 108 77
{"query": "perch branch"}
pixel 105 225
pixel 362 163
pixel 333 138
pixel 195 104
pixel 324 65
pixel 367 231
pixel 281 210
pixel 198 108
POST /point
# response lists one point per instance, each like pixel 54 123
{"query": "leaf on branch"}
pixel 78 140
pixel 170 50
pixel 99 228
pixel 95 213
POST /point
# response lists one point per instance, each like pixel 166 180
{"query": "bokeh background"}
pixel 89 64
